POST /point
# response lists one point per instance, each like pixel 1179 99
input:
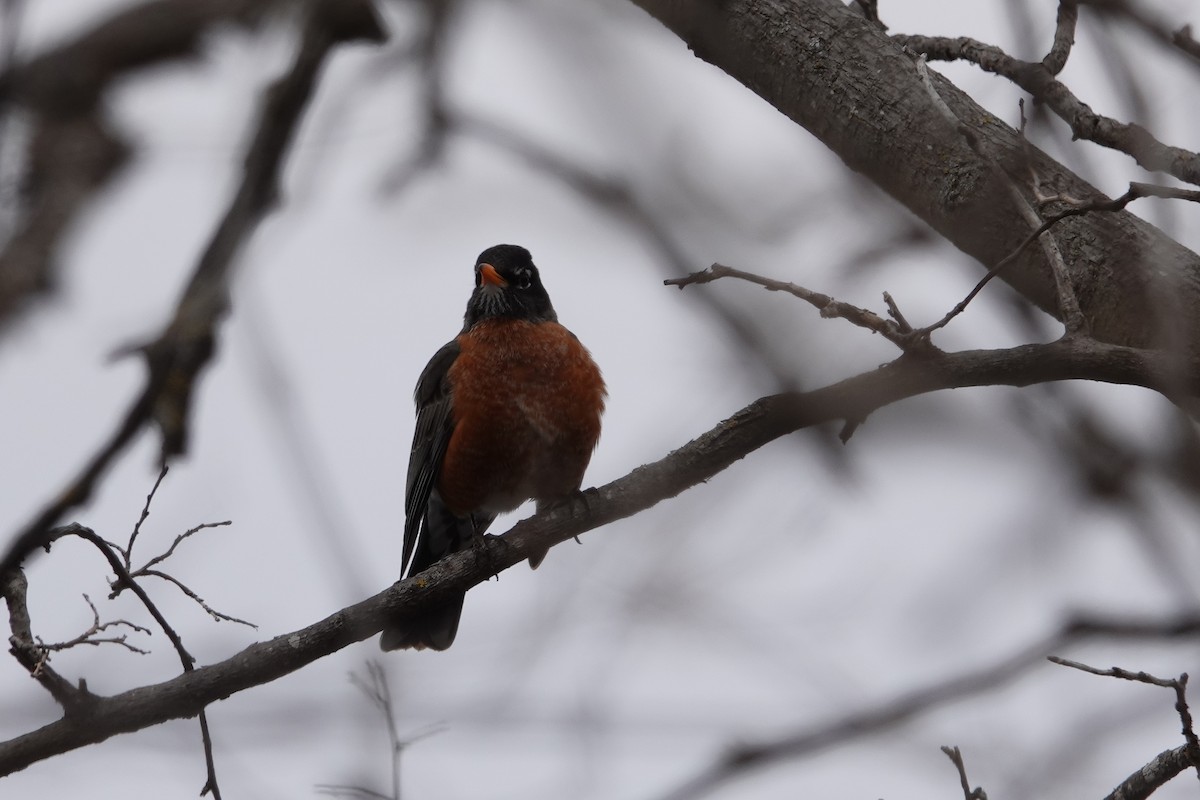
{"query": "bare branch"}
pixel 185 658
pixel 375 687
pixel 772 49
pixel 176 358
pixel 1178 685
pixel 428 51
pixel 334 790
pixel 1068 306
pixel 197 599
pixel 24 647
pixel 73 153
pixel 900 332
pixel 163 556
pixel 1064 37
pixel 91 635
pixel 127 552
pixel 1116 672
pixel 147 569
pixel 1128 138
pixel 828 306
pixel 955 756
pixel 1075 208
pixel 894 313
pixel 1148 779
pixel 125 579
pixel 731 440
pixel 744 759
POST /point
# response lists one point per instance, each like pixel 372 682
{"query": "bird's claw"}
pixel 481 546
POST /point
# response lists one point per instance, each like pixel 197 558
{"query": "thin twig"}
pixel 956 758
pixel 212 612
pixel 163 556
pixel 1116 672
pixel 375 687
pixel 1076 208
pixel 148 569
pixel 337 790
pixel 123 577
pixel 828 306
pixel 1068 305
pixel 1178 685
pixel 127 552
pixel 24 647
pixel 185 658
pixel 90 635
pixel 894 313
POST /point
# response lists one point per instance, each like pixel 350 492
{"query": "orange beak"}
pixel 489 276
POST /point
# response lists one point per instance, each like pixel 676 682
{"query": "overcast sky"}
pixel 804 583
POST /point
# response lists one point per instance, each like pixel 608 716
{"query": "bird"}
pixel 507 411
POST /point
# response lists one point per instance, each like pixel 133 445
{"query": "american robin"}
pixel 508 411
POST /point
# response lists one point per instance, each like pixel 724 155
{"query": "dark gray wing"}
pixel 432 434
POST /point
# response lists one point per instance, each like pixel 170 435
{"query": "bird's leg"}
pixel 570 502
pixel 481 546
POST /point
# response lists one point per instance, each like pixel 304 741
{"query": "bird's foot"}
pixel 572 502
pixel 481 546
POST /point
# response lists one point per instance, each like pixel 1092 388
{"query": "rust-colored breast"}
pixel 527 400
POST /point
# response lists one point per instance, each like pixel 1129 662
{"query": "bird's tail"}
pixel 433 630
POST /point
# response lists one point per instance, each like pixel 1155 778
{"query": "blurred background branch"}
pixel 794 589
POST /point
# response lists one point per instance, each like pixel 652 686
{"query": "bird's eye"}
pixel 522 279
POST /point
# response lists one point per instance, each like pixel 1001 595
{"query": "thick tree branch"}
pixel 1153 776
pixel 815 60
pixel 754 426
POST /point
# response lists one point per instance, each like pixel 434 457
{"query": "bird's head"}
pixel 507 284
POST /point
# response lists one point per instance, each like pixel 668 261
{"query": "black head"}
pixel 507 284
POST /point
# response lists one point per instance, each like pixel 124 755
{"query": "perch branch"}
pixel 731 440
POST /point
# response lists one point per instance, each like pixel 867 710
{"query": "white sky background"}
pixel 794 588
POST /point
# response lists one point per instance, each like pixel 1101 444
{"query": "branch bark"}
pixel 845 81
pixel 731 440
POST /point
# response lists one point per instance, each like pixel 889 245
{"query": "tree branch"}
pixel 176 358
pixel 740 760
pixel 1148 779
pixel 749 429
pixel 1039 81
pixel 73 152
pixel 24 647
pixel 815 59
pixel 892 330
